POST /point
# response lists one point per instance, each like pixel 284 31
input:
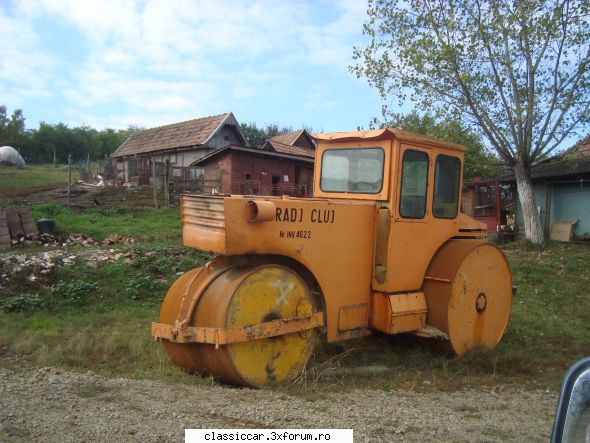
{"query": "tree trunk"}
pixel 532 221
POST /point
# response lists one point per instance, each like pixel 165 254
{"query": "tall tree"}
pixel 514 69
pixel 479 161
pixel 258 135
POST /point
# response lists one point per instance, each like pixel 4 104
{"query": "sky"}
pixel 153 62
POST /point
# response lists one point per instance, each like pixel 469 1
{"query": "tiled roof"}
pixel 178 135
pixel 284 148
pixel 582 148
pixel 288 138
pixel 253 151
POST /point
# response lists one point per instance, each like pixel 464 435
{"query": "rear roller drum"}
pixel 242 296
pixel 468 289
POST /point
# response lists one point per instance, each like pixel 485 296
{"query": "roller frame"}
pixel 225 336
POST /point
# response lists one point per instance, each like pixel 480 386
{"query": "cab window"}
pixel 414 184
pixel 447 177
pixel 358 171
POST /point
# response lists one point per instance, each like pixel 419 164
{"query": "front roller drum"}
pixel 237 297
pixel 468 290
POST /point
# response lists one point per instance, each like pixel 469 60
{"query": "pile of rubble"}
pixel 45 262
pixel 72 239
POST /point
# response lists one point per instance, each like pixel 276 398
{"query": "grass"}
pixel 99 319
pixel 14 181
pixel 547 332
pixel 103 221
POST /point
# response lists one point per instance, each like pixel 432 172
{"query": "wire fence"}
pixel 170 181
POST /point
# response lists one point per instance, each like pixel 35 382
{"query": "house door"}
pixel 276 181
pixel 303 178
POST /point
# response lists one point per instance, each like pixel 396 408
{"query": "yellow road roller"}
pixel 381 246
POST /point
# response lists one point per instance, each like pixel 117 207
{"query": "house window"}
pixel 412 202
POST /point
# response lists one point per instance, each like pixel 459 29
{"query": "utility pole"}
pixel 69 176
pixel 167 182
pixel 155 184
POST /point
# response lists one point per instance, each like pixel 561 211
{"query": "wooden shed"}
pixel 251 171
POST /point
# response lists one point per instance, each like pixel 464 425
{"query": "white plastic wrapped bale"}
pixel 10 157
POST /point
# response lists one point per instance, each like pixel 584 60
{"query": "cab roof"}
pixel 384 134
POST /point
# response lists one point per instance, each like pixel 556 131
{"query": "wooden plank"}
pixel 28 222
pixel 4 233
pixel 14 225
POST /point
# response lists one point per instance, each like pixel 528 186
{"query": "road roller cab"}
pixel 381 246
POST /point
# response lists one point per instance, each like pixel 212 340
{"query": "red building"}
pixel 279 167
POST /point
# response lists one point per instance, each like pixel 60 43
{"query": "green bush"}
pixel 25 302
pixel 49 210
pixel 76 292
pixel 140 286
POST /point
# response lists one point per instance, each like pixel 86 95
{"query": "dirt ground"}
pixel 84 196
pixel 58 406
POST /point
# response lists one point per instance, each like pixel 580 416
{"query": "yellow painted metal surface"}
pixel 353 317
pixel 238 297
pixel 351 256
pixel 316 234
pixel 236 334
pixel 397 313
pixel 385 134
pixel 468 291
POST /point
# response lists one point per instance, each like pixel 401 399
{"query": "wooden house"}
pixel 180 143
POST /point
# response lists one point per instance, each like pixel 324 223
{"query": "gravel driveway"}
pixel 57 406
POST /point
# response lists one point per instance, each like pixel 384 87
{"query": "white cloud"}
pixel 24 70
pixel 156 58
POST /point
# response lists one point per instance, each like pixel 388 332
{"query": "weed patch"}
pixel 25 302
pixel 101 222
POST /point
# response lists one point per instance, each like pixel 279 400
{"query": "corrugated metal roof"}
pixel 178 135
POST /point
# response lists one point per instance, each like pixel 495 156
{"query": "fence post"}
pixel 155 184
pixel 167 182
pixel 69 176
